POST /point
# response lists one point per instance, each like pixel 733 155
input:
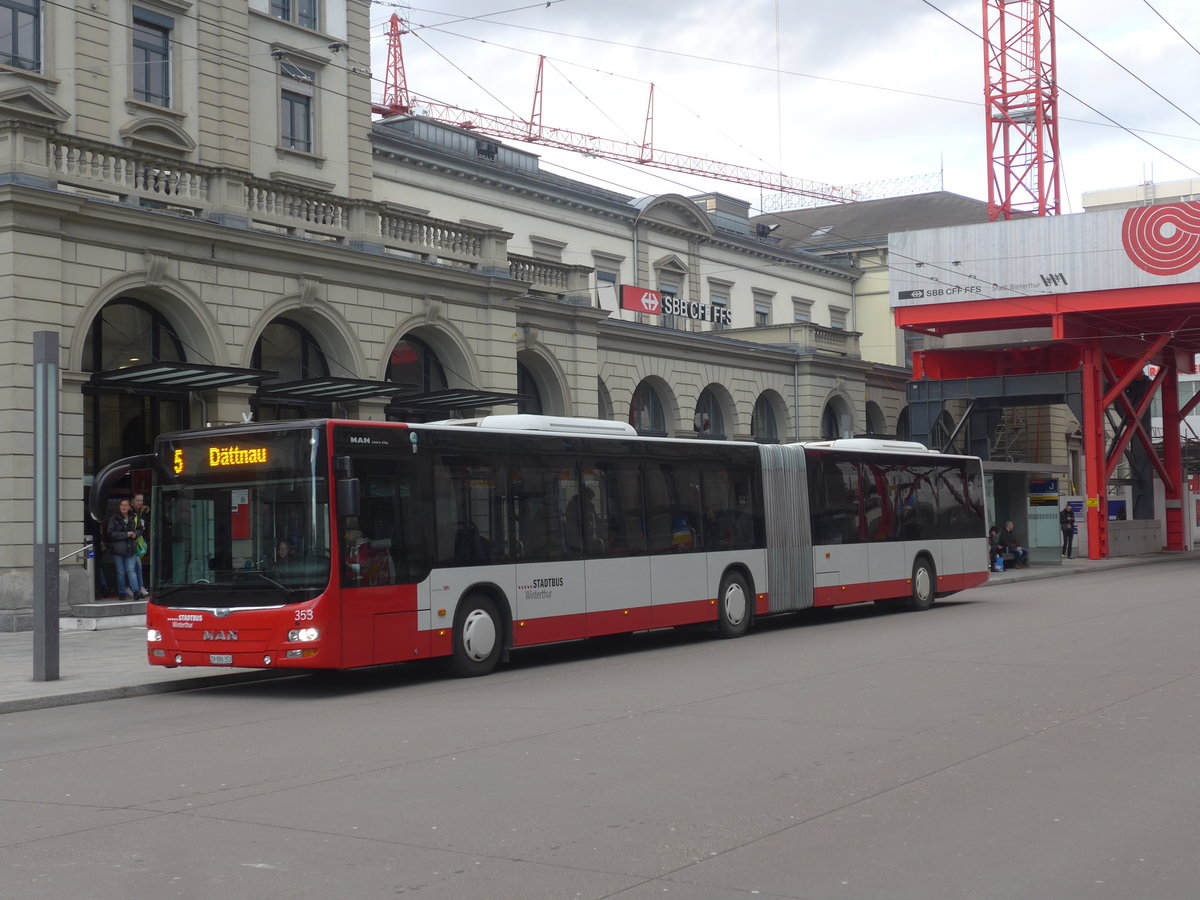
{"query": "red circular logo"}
pixel 1163 240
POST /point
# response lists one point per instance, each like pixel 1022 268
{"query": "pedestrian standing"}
pixel 123 533
pixel 1066 521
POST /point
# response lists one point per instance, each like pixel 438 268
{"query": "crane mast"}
pixel 1021 104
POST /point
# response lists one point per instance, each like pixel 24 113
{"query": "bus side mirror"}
pixel 347 496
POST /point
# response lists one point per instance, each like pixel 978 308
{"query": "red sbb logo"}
pixel 1163 240
pixel 639 299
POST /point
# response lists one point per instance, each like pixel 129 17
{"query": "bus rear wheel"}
pixel 924 584
pixel 477 637
pixel 733 606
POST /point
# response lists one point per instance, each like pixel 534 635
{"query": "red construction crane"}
pixel 1021 103
pixel 397 101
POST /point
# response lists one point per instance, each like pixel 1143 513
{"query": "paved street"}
pixel 1035 738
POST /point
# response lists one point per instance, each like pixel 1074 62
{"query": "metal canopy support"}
pixel 1101 382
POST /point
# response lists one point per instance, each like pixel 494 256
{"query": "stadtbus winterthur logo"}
pixel 1163 240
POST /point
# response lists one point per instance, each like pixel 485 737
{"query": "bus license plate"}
pixel 220 659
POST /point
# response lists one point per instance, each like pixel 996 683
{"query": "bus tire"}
pixel 734 606
pixel 924 584
pixel 478 642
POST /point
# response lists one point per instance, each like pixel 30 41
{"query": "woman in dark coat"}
pixel 123 531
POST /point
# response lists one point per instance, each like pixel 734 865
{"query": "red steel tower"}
pixel 1021 104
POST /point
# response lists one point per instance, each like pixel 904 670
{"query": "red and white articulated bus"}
pixel 338 544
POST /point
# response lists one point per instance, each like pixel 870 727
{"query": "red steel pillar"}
pixel 1176 490
pixel 1095 462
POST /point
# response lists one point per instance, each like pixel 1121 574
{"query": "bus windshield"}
pixel 244 522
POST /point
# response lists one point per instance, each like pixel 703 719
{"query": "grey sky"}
pixel 811 120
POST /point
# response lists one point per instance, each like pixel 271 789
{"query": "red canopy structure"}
pixel 1115 299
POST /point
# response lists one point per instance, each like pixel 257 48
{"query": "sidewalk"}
pixel 111 664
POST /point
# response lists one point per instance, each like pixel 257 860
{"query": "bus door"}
pixel 383 554
pixel 675 528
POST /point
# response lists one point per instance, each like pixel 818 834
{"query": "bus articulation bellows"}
pixel 339 544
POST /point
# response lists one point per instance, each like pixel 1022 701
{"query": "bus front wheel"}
pixel 733 606
pixel 924 584
pixel 477 637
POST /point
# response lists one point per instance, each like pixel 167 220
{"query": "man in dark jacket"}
pixel 1008 540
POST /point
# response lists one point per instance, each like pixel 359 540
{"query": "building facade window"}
pixel 763 302
pixel 646 411
pixel 118 423
pixel 531 397
pixel 152 57
pixel 801 311
pixel 838 317
pixel 708 421
pixel 305 13
pixel 289 348
pixel 763 426
pixel 296 108
pixel 670 320
pixel 720 304
pixel 21 34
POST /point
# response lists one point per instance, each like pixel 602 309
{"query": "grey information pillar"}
pixel 45 506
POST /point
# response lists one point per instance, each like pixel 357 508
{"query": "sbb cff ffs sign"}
pixel 656 303
pixel 641 300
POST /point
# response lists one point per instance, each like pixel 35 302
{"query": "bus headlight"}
pixel 304 635
pixel 153 635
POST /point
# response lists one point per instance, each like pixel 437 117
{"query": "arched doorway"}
pixel 287 347
pixel 117 422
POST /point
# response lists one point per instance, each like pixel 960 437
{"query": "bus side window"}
pixel 470 506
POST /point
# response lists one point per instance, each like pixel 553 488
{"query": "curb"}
pixel 141 690
pixel 1063 572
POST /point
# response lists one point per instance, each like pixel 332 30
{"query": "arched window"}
pixel 646 411
pixel 708 421
pixel 903 429
pixel 531 398
pixel 128 332
pixel 288 348
pixel 413 363
pixel 831 428
pixel 763 426
pixel 876 422
pixel 604 404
